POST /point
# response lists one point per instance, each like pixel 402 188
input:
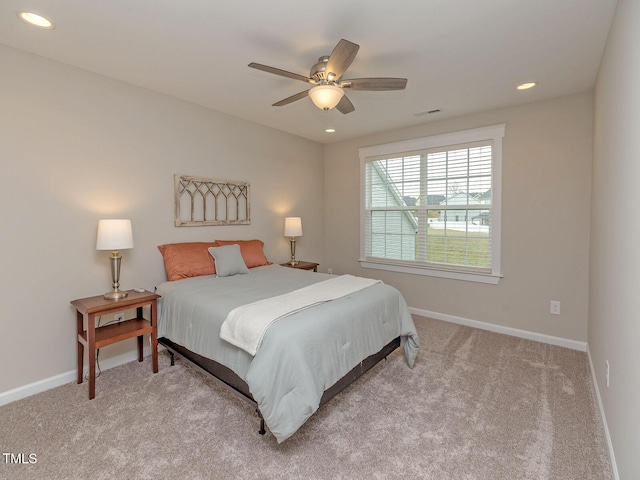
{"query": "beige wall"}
pixel 545 221
pixel 614 293
pixel 76 147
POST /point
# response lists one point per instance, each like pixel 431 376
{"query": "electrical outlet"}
pixel 554 307
pixel 119 317
pixel 606 372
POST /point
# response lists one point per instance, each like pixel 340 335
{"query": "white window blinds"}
pixel 431 208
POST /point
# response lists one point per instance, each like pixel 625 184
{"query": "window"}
pixel 431 206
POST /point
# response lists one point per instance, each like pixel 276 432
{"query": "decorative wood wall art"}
pixel 207 201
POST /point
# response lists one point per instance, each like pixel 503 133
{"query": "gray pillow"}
pixel 228 260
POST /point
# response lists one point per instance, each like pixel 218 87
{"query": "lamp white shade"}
pixel 326 97
pixel 292 227
pixel 114 234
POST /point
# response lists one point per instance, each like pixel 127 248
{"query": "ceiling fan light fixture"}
pixel 326 97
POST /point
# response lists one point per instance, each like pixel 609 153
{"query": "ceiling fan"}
pixel 325 76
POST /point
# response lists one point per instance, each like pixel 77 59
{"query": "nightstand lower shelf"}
pixel 118 331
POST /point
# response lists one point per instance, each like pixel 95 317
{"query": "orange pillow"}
pixel 251 251
pixel 189 259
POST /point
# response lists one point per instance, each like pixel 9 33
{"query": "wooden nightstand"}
pixel 87 309
pixel 303 265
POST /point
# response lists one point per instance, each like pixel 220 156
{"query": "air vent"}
pixel 428 112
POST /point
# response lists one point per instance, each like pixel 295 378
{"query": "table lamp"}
pixel 293 229
pixel 114 235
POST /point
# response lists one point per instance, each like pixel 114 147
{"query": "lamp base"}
pixel 115 295
pixel 293 261
pixel 114 262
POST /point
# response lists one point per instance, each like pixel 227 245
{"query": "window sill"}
pixel 432 272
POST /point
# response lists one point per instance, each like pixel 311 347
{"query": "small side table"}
pixel 303 265
pixel 87 309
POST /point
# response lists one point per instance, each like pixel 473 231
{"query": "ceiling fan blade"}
pixel 375 84
pixel 282 73
pixel 340 59
pixel 345 106
pixel 291 99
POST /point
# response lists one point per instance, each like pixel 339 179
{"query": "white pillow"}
pixel 228 260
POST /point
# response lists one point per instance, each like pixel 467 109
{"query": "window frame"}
pixel 495 133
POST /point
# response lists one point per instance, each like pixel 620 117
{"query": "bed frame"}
pixel 232 382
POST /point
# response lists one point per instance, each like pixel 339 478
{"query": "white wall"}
pixel 545 222
pixel 614 293
pixel 76 147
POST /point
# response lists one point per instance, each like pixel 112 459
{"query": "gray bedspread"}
pixel 302 354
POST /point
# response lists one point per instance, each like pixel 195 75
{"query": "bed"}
pixel 304 358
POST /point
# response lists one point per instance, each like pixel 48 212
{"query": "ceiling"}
pixel 460 56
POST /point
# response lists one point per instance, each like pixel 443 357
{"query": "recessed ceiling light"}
pixel 526 86
pixel 35 20
pixel 330 130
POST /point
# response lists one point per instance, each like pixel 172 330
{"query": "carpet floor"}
pixel 477 405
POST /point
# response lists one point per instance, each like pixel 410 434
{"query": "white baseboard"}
pixel 67 377
pixel 605 427
pixel 515 332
